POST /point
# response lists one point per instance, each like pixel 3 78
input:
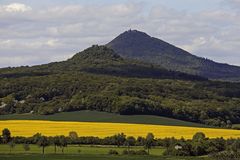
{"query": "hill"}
pixel 139 45
pixel 99 79
pixel 99 60
pixel 94 116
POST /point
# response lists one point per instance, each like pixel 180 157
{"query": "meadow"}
pixel 75 149
pixel 86 152
pixel 94 157
pixel 28 128
pixel 95 116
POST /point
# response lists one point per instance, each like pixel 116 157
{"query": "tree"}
pixel 56 142
pixel 199 148
pixel 36 137
pixel 26 147
pixel 235 147
pixel 198 137
pixel 140 141
pixel 216 145
pixel 63 142
pixel 149 141
pixel 43 142
pixel 6 135
pixel 130 141
pixel 1 140
pixel 199 144
pixel 119 139
pixel 73 136
pixel 11 145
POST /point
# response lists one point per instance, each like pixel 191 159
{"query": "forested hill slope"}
pixel 99 79
pixel 139 45
pixel 100 60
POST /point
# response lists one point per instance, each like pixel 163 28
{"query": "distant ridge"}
pixel 139 45
pixel 100 60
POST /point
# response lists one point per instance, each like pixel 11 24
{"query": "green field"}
pixel 93 157
pixel 86 152
pixel 94 116
pixel 74 149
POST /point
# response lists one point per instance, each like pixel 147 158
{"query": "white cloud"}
pixel 195 45
pixel 52 42
pixel 55 33
pixel 15 7
pixel 233 3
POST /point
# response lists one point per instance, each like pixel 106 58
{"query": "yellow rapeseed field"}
pixel 51 128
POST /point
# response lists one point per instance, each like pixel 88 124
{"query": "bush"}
pixel 173 152
pixel 129 152
pixel 125 152
pixel 141 152
pixel 236 127
pixel 113 152
pixel 226 155
pixel 132 152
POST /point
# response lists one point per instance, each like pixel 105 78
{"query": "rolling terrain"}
pixel 138 45
pixel 100 93
pixel 94 116
pixel 99 79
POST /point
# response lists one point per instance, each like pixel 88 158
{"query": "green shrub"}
pixel 133 152
pixel 226 155
pixel 112 152
pixel 141 152
pixel 125 152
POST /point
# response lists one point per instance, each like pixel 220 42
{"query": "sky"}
pixel 37 32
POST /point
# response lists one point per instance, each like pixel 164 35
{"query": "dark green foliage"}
pixel 149 141
pixel 70 86
pixel 113 152
pixel 226 155
pixel 56 142
pixel 102 60
pixel 63 142
pixel 11 145
pixel 133 152
pixel 130 141
pixel 198 137
pixel 141 152
pixel 73 136
pixel 198 146
pixel 119 139
pixel 185 149
pixel 26 147
pixel 6 135
pixel 139 45
pixel 43 142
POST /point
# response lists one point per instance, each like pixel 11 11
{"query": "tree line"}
pixel 199 145
pixel 209 103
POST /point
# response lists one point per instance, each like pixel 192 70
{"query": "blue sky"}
pixel 36 32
